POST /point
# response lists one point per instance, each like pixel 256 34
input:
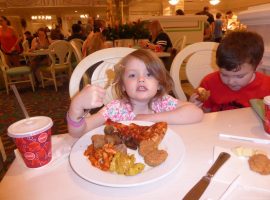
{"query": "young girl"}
pixel 141 84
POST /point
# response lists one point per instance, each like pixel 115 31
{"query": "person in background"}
pixel 76 32
pixel 28 37
pixel 159 39
pixel 179 12
pixel 231 21
pixel 142 85
pixel 238 56
pixel 209 25
pixel 42 41
pixel 218 28
pixel 56 34
pixel 210 17
pixel 90 46
pixel 10 42
pixel 89 26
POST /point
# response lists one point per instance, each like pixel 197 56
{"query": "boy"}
pixel 237 81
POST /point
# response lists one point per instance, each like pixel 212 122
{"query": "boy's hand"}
pixel 194 99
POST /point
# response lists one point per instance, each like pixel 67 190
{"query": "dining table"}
pixel 38 52
pixel 202 143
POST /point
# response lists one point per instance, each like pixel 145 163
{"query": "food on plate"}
pixel 243 151
pixel 146 146
pixel 155 157
pixel 246 151
pixel 98 140
pixel 133 134
pixel 100 157
pixel 260 163
pixel 109 152
pixel 203 94
pixel 125 164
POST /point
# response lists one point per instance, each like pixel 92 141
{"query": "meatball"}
pixel 156 157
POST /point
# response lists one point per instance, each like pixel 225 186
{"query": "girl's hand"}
pixel 194 99
pixel 89 97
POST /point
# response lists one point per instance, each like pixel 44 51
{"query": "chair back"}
pixel 101 64
pixel 199 59
pixel 60 53
pixel 77 48
pixel 3 63
pixel 180 43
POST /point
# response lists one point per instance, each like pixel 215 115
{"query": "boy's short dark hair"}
pixel 240 47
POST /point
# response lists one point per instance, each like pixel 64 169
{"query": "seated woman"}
pixel 40 42
pixel 159 40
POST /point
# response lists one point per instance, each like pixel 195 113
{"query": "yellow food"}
pixel 125 164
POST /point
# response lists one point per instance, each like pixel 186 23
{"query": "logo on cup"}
pixel 29 156
pixel 43 137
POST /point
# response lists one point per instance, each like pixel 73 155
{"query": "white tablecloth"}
pixel 57 180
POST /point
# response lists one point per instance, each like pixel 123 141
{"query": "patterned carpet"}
pixel 42 102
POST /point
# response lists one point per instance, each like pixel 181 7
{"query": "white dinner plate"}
pixel 172 143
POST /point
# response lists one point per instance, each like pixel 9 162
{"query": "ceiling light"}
pixel 173 2
pixel 214 2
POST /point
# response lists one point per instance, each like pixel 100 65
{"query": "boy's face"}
pixel 236 80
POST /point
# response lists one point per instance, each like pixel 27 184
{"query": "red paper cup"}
pixel 32 137
pixel 266 120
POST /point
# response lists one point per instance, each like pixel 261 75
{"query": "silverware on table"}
pixel 198 189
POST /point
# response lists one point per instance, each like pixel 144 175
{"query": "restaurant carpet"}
pixel 43 102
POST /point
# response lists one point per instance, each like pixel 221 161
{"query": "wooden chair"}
pixel 60 54
pixel 15 75
pixel 101 64
pixel 199 60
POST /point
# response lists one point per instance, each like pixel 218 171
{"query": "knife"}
pixel 198 189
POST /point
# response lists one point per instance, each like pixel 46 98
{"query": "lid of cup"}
pixel 266 100
pixel 29 126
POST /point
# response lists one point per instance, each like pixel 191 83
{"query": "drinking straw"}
pixel 14 88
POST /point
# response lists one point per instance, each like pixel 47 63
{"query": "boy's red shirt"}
pixel 223 98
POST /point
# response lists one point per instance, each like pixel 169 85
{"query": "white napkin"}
pixel 239 166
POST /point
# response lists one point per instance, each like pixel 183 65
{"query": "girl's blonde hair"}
pixel 154 66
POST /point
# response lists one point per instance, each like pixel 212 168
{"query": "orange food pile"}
pixel 100 157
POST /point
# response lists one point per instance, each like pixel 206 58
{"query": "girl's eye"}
pixel 131 75
pixel 149 74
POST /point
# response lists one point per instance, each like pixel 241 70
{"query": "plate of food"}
pixel 154 149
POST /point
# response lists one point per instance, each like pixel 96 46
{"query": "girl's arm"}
pixel 185 113
pixel 89 123
pixel 90 97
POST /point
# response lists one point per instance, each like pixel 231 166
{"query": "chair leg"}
pixel 32 81
pixel 42 80
pixel 54 81
pixel 6 83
